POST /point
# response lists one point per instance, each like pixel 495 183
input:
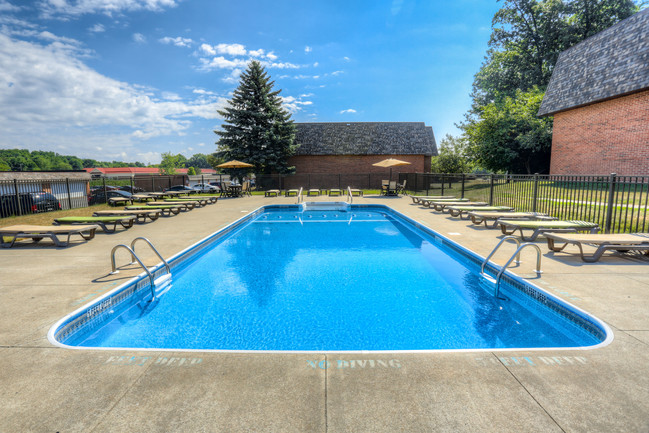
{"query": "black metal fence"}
pixel 617 203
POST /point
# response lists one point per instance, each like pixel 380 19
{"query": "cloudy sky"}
pixel 130 79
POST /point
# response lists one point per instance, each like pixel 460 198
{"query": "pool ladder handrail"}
pixel 516 255
pixel 131 250
pixel 299 196
pixel 349 194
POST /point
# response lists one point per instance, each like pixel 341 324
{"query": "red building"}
pixel 599 97
pixel 352 148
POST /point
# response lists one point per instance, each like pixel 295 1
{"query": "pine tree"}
pixel 256 128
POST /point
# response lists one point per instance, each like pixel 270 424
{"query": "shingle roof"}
pixel 612 63
pixel 365 138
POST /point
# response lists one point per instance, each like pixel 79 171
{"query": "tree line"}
pixel 37 160
pixel 501 131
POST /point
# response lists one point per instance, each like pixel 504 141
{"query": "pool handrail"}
pixel 133 255
pixel 349 193
pixel 299 196
pixel 154 250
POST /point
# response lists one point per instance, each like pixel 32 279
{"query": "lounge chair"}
pixel 290 192
pixel 210 199
pixel 140 215
pixel 36 233
pixel 313 191
pixel 272 193
pixel 184 205
pixel 143 197
pixel 417 198
pixel 198 201
pixel 335 192
pixel 114 201
pixel 442 206
pixel 508 227
pixel 621 242
pixel 401 187
pixel 167 210
pixel 462 211
pixel 125 221
pixel 479 216
pixel 355 191
pixel 385 183
pixel 426 202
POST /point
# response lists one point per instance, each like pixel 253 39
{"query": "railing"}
pixel 350 196
pixel 516 255
pixel 618 204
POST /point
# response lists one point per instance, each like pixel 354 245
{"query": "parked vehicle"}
pixel 204 187
pixel 180 188
pixel 133 190
pixel 30 202
pixel 99 197
pixel 217 185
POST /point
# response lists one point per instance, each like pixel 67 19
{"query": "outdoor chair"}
pixel 463 210
pixel 184 205
pixel 290 192
pixel 104 222
pixel 140 215
pixel 442 206
pixel 313 192
pixel 392 188
pixel 335 192
pixel 198 201
pixel 401 187
pixel 37 233
pixel 167 210
pixel 509 227
pixel 272 193
pixel 481 216
pixel 425 202
pixel 417 198
pixel 384 186
pixel 622 243
pixel 356 192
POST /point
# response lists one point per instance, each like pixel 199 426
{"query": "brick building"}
pixel 352 148
pixel 599 97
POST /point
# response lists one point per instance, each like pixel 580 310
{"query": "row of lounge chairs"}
pixel 107 220
pixel 531 225
pixel 331 192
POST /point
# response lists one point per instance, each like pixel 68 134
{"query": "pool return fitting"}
pixel 516 255
pixel 160 281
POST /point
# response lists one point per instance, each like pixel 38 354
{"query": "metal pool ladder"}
pixel 349 194
pixel 516 255
pixel 299 196
pixel 160 281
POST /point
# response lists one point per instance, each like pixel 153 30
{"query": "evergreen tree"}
pixel 256 128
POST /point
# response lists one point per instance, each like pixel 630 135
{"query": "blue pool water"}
pixel 329 280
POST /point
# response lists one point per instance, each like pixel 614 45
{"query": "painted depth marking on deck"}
pixel 532 361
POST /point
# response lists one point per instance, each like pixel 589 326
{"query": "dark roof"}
pixel 612 63
pixel 365 138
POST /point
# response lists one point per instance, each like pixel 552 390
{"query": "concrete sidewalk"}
pixel 49 389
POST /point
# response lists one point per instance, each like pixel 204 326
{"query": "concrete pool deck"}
pixel 50 389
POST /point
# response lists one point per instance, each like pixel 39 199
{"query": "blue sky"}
pixel 130 79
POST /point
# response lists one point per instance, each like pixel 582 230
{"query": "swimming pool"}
pixel 328 277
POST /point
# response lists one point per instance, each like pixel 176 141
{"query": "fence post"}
pixel 103 179
pixel 152 185
pixel 67 185
pixel 441 181
pixel 609 208
pixel 18 201
pixel 491 191
pixel 536 191
pixel 463 180
pixel 132 185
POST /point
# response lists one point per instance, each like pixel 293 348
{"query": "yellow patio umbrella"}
pixel 390 162
pixel 235 164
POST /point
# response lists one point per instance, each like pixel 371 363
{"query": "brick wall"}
pixel 354 164
pixel 608 137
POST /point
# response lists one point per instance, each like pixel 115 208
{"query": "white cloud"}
pixel 97 28
pixel 349 110
pixel 294 104
pixel 271 56
pixel 231 49
pixel 234 76
pixel 336 73
pixel 5 6
pixel 221 62
pixel 71 8
pixel 207 49
pixel 58 102
pixel 139 38
pixel 178 41
pixel 308 49
pixel 347 59
pixel 257 53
